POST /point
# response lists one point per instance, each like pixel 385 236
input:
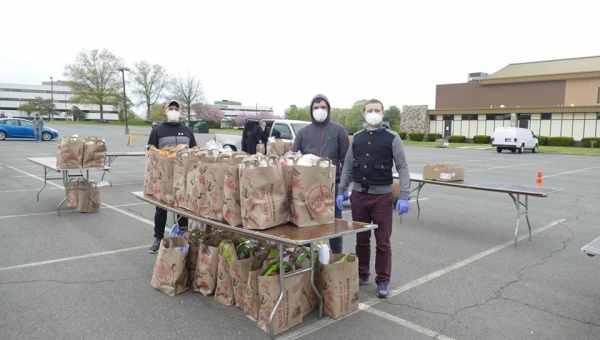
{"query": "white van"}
pixel 513 139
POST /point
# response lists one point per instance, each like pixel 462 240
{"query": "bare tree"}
pixel 187 90
pixel 149 81
pixel 94 78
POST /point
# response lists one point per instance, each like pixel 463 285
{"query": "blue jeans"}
pixel 37 133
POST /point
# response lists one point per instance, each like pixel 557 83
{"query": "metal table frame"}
pixel 111 156
pixel 513 190
pixel 287 234
pixel 49 164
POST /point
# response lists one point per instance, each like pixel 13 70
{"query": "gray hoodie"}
pixel 324 139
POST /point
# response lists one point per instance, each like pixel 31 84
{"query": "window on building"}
pixel 432 117
pixel 598 96
pixel 546 116
pixel 525 116
pixel 490 117
pixel 448 117
pixel 469 117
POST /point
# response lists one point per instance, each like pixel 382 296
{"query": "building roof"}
pixel 562 69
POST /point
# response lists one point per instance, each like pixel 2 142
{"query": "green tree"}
pixel 77 113
pixel 157 112
pixel 42 106
pixel 94 78
pixel 297 113
pixel 187 90
pixel 354 119
pixel 339 115
pixel 29 108
pixel 149 81
pixel 392 115
pixel 118 104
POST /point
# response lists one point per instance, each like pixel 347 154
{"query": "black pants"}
pixel 336 244
pixel 160 221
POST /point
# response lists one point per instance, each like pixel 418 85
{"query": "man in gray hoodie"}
pixel 324 138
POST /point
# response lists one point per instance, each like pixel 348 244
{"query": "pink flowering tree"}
pixel 208 113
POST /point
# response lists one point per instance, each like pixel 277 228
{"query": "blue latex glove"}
pixel 402 206
pixel 346 195
pixel 339 202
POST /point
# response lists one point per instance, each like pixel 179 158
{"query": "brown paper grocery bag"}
pixel 170 274
pixel 69 153
pixel 289 313
pixel 94 152
pixel 338 285
pixel 288 177
pixel 191 189
pixel 262 195
pixel 205 280
pixel 200 204
pixel 313 192
pixel 194 239
pixel 149 168
pixel 163 174
pixel 224 291
pixel 238 271
pixel 181 168
pixel 232 211
pixel 72 192
pixel 215 181
pixel 84 203
pixel 260 148
pixel 252 298
pixel 309 299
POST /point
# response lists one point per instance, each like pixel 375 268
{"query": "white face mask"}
pixel 373 118
pixel 320 115
pixel 173 115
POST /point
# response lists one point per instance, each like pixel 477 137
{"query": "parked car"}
pixel 278 128
pixel 513 139
pixel 23 128
pixel 156 123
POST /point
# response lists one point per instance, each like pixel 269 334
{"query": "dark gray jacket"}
pixel 325 139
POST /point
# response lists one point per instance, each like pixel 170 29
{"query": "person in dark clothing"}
pixel 370 160
pixel 325 138
pixel 174 133
pixel 258 135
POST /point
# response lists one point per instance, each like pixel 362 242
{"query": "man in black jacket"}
pixel 174 133
pixel 256 136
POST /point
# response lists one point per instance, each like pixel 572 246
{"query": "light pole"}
pixel 123 69
pixel 256 110
pixel 51 98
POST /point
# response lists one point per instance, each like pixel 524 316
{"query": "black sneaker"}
pixel 155 246
pixel 363 280
pixel 382 292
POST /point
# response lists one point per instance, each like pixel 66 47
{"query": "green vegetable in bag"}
pixel 342 260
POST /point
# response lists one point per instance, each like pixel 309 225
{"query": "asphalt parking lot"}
pixel 456 272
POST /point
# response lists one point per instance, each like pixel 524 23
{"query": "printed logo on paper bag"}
pixel 318 197
pixel 163 272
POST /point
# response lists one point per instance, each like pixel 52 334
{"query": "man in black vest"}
pixel 369 163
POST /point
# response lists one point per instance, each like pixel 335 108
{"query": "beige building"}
pixel 552 98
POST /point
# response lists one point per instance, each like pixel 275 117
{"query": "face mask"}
pixel 173 115
pixel 373 119
pixel 320 115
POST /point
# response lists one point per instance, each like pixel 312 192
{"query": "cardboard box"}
pixel 444 172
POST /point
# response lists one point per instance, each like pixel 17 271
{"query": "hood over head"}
pixel 315 98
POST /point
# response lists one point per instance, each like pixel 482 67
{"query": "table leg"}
pixel 108 164
pixel 281 291
pixel 45 181
pixel 312 279
pixel 65 181
pixel 418 190
pixel 518 204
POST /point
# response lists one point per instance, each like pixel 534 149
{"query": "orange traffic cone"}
pixel 538 181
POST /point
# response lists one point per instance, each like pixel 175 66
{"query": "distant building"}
pixel 12 96
pixel 233 109
pixel 552 98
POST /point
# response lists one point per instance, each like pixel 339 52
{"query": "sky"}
pixel 281 53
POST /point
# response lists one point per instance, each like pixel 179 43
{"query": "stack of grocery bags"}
pixel 244 272
pixel 251 192
pixel 74 153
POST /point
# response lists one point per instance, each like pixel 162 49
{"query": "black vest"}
pixel 373 158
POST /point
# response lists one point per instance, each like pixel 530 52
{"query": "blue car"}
pixel 23 128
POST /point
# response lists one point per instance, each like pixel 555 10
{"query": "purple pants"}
pixel 377 209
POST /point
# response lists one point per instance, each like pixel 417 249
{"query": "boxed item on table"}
pixel 444 172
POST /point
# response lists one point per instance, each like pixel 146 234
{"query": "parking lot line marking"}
pixel 22 190
pixel 139 218
pixel 72 258
pixel 374 301
pixel 570 172
pixel 66 211
pixel 506 166
pixel 408 324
